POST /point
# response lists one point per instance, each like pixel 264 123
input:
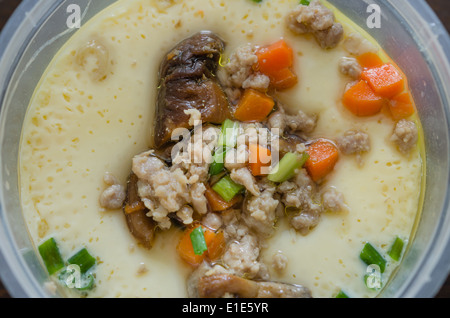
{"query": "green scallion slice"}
pixel 51 256
pixel 82 259
pixel 342 294
pixel 396 249
pixel 218 164
pixel 198 241
pixel 285 169
pixel 229 133
pixel 371 256
pixel 257 1
pixel 305 2
pixel 227 188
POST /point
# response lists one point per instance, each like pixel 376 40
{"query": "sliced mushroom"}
pixel 140 225
pixel 188 82
pixel 216 286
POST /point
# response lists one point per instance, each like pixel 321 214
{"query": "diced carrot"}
pixel 259 158
pixel 323 156
pixel 135 207
pixel 402 106
pixel 370 60
pixel 216 246
pixel 216 203
pixel 186 250
pixel 276 61
pixel 275 57
pixel 283 79
pixel 215 243
pixel 254 106
pixel 361 100
pixel 385 80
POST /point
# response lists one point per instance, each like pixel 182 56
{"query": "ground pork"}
pixel 301 122
pixel 354 141
pixel 194 156
pixel 299 192
pixel 356 44
pixel 405 135
pixel 259 212
pixel 212 220
pixel 318 20
pixel 331 37
pixel 255 133
pixel 349 66
pixel 198 199
pixel 236 158
pixel 239 74
pixel 240 65
pixel 244 177
pixel 333 201
pixel 163 190
pixel 257 81
pixel 242 254
pixel 279 262
pixel 305 221
pixel 277 121
pixel 298 122
pixel 180 188
pixel 300 195
pixel 113 197
pixel 185 214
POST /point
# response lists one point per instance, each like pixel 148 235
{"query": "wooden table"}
pixel 441 7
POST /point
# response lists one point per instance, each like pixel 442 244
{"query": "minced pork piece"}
pixel 318 20
pixel 405 135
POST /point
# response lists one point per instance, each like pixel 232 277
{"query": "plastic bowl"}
pixel 410 33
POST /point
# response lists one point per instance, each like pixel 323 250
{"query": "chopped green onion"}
pixel 396 249
pixel 228 134
pixel 305 2
pixel 257 1
pixel 371 256
pixel 82 259
pixel 285 169
pixel 198 241
pixel 218 164
pixel 51 256
pixel 227 188
pixel 342 294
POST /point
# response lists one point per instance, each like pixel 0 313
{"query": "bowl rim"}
pixel 25 285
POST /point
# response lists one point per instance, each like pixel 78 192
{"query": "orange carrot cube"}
pixel 386 80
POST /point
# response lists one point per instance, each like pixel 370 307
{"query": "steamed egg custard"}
pixel 307 181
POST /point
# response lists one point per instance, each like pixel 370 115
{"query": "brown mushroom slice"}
pixel 217 286
pixel 289 143
pixel 140 225
pixel 188 82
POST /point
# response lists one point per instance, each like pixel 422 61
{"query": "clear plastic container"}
pixel 411 34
